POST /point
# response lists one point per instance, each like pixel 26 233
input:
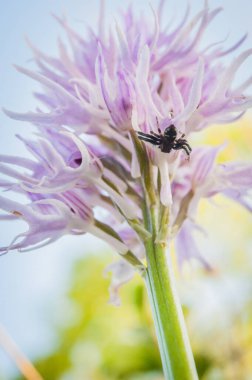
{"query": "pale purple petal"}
pixel 122 272
pixel 186 247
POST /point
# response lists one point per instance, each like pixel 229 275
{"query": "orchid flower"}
pixel 89 172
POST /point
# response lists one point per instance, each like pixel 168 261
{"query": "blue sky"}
pixel 30 283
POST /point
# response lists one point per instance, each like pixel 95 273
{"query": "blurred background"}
pixel 54 301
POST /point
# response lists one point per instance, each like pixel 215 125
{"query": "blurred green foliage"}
pixel 98 341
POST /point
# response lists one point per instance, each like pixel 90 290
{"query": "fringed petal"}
pixel 204 163
pixel 165 192
pixel 48 220
pixel 194 95
pixel 186 247
pixel 228 75
pixel 142 75
pixel 122 272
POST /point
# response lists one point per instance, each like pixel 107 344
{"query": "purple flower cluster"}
pixel 88 171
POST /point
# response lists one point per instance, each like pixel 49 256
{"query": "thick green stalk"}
pixel 176 354
pixel 175 350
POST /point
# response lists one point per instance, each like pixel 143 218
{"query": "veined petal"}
pixel 235 46
pixel 122 272
pixel 228 75
pixel 240 197
pixel 60 91
pixel 48 220
pixel 186 247
pixel 165 192
pixel 135 166
pixel 204 163
pixel 175 94
pixel 194 95
pixel 85 157
pixel 124 48
pixel 156 30
pixel 127 208
pixel 142 74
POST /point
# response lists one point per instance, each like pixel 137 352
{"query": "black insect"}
pixel 167 141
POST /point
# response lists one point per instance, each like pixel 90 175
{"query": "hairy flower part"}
pixel 48 220
pixel 71 188
pixel 239 183
pixel 88 171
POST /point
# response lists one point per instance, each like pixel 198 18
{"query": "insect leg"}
pixel 178 145
pixel 185 148
pixel 184 142
pixel 188 146
pixel 153 142
pixel 158 128
pixel 155 134
pixel 148 138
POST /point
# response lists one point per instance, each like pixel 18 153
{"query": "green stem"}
pixel 175 350
pixel 176 355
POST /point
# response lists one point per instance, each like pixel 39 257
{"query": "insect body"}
pixel 167 141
